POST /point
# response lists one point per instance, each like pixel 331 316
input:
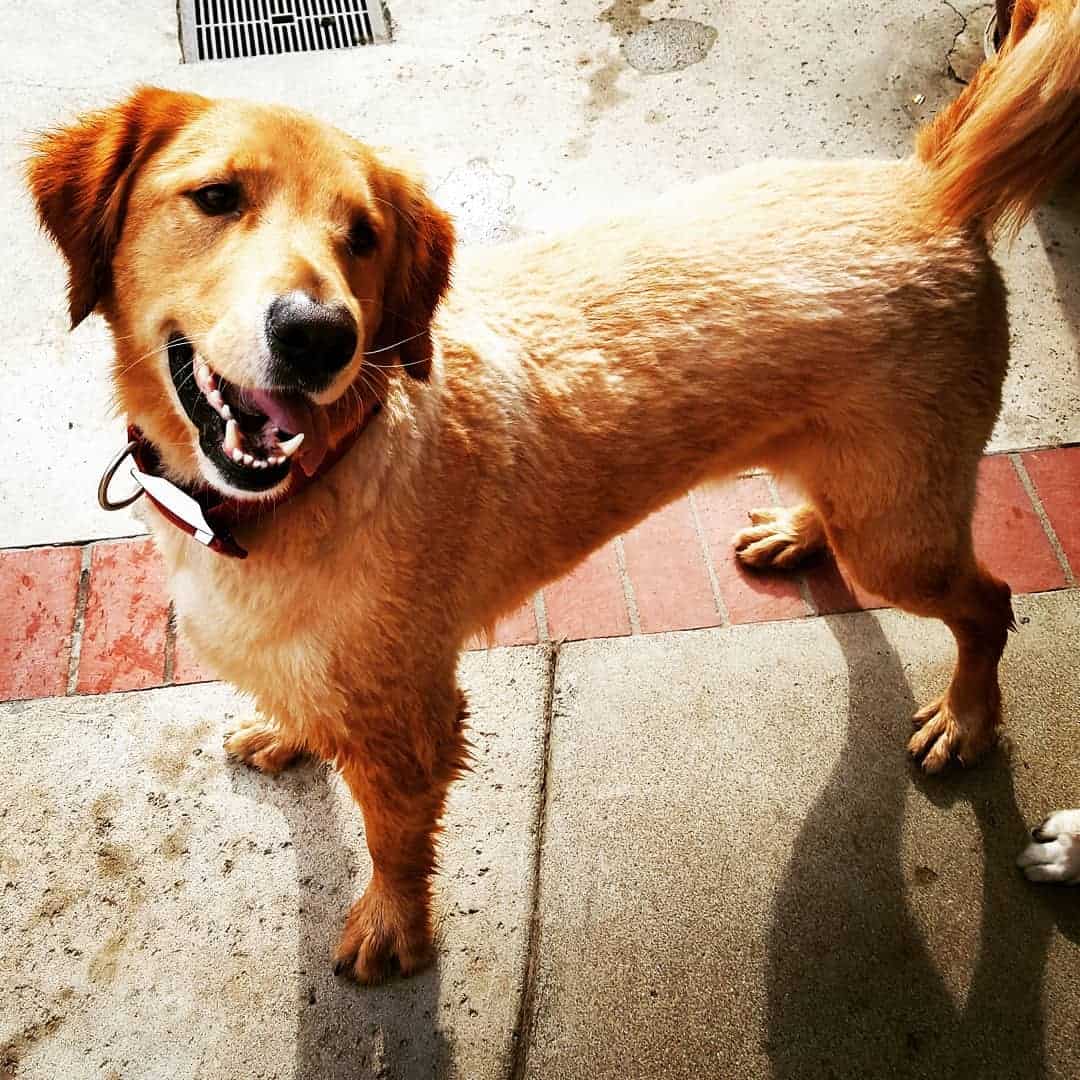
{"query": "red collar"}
pixel 203 512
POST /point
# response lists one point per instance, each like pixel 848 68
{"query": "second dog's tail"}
pixel 996 151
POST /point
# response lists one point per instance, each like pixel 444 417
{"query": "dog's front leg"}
pixel 399 762
pixel 263 744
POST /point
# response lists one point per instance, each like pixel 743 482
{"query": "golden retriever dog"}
pixel 403 461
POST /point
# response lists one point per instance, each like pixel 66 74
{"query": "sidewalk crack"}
pixel 519 1052
pixel 169 669
pixel 952 73
pixel 78 623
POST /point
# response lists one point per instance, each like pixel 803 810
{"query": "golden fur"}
pixel 842 324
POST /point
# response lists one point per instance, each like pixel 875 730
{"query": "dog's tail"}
pixel 998 149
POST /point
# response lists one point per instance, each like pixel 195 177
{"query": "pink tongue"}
pixel 295 413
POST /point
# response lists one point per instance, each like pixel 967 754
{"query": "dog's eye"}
pixel 362 238
pixel 216 199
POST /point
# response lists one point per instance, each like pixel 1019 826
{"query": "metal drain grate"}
pixel 229 29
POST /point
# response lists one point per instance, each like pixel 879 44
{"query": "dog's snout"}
pixel 310 342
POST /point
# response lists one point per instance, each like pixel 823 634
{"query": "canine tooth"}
pixel 226 411
pixel 215 399
pixel 290 447
pixel 249 459
pixel 203 377
pixel 232 437
pixel 238 455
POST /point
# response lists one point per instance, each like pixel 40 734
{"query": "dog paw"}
pixel 260 744
pixel 942 739
pixel 779 539
pixel 384 935
pixel 1054 853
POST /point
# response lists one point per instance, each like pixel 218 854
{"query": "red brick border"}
pixel 127 619
pixel 39 590
pixel 107 628
pixel 590 600
pixel 1055 477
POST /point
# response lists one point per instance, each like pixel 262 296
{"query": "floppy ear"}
pixel 418 276
pixel 80 177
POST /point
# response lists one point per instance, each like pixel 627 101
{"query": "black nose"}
pixel 309 342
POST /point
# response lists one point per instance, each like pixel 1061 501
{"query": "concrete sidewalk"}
pixel 724 868
pixel 698 853
pixel 741 876
pixel 168 914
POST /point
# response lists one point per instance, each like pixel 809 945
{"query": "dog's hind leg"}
pixel 963 723
pixel 917 553
pixel 899 519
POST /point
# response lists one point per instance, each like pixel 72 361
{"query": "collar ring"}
pixel 106 478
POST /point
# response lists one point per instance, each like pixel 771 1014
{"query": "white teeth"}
pixel 292 445
pixel 207 382
pixel 232 438
pixel 233 444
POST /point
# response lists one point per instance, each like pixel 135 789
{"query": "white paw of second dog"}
pixel 1054 854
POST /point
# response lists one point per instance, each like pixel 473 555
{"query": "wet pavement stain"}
pixel 104 965
pixel 55 901
pixel 179 750
pixel 657 46
pixel 668 45
pixel 103 811
pixel 13 1051
pixel 176 843
pixel 115 860
pixel 650 46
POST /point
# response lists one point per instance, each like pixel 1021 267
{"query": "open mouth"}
pixel 251 436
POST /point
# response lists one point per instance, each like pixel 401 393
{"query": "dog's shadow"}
pixel 854 990
pixel 1058 226
pixel 343 1031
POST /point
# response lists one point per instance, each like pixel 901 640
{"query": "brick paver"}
pixel 748 596
pixel 127 614
pixel 674 561
pixel 589 602
pixel 517 628
pixel 1009 537
pixel 186 668
pixel 667 571
pixel 1056 476
pixel 38 591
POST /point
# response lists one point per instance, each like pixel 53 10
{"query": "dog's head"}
pixel 256 268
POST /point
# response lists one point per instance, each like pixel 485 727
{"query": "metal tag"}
pixel 179 503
